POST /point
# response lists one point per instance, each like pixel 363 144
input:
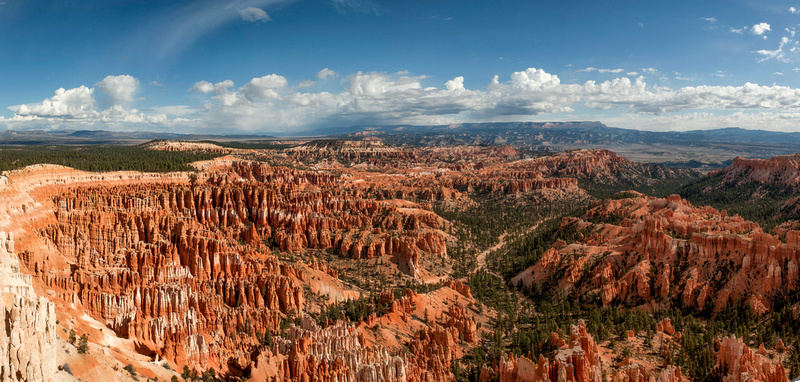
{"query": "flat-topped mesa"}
pixel 738 363
pixel 352 150
pixel 781 170
pixel 647 251
pixel 170 145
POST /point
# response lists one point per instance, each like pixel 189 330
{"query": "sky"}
pixel 285 67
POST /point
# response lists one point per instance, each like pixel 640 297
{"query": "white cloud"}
pixel 176 110
pixel 762 120
pixel 264 87
pixel 169 33
pixel 76 108
pixel 793 10
pixel 268 104
pixel 119 88
pixel 634 73
pixel 456 84
pixel 207 87
pixel 326 73
pixel 760 28
pixel 306 84
pixel 600 70
pixel 382 98
pixel 66 103
pixel 534 79
pixel 788 47
pixel 738 31
pixel 380 85
pixel 254 14
pixel 709 19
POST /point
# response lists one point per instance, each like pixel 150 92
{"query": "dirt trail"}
pixel 501 242
pixel 482 256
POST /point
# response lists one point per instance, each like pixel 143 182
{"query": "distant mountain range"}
pixel 569 133
pixel 40 137
pixel 697 148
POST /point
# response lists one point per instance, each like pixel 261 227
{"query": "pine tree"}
pixel 83 344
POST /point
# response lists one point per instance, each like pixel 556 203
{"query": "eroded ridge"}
pixel 186 269
pixel 645 251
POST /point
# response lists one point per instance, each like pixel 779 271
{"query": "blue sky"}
pixel 284 67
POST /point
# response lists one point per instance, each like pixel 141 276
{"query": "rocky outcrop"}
pixel 335 353
pixel 183 264
pixel 648 251
pixel 737 362
pixel 600 166
pixel 430 355
pixel 629 371
pixel 578 360
pixel 28 337
pixel 781 170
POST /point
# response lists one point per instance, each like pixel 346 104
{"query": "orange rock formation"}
pixel 737 363
pixel 644 251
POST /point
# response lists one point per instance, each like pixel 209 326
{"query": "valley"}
pixel 378 260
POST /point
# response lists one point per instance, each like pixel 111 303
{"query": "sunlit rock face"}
pixel 647 251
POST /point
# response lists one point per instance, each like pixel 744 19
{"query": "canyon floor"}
pixel 358 260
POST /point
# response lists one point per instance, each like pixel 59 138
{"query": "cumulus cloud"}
pixel 66 103
pixel 456 84
pixel 793 10
pixel 760 28
pixel 391 98
pixel 77 108
pixel 254 14
pixel 207 87
pixel 326 73
pixel 269 104
pixel 119 88
pixel 264 87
